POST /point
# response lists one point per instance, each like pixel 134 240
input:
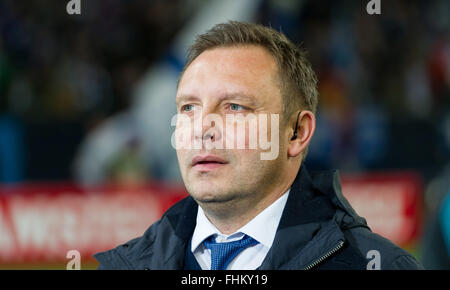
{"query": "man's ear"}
pixel 305 126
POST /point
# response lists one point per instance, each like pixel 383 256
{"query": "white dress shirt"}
pixel 261 228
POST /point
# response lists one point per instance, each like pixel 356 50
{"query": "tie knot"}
pixel 223 253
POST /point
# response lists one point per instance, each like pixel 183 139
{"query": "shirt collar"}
pixel 262 228
pixel 203 229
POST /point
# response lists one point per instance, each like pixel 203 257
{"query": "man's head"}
pixel 242 68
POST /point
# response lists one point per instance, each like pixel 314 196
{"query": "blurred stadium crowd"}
pixel 384 84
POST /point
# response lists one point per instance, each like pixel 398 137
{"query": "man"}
pixel 245 211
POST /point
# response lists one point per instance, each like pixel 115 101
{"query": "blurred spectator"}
pixel 435 249
pixel 436 242
pixel 128 168
pixel 11 150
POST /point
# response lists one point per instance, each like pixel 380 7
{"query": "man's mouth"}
pixel 207 162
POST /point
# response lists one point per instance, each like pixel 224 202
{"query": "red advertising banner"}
pixel 391 203
pixel 42 222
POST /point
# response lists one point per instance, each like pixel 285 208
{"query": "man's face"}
pixel 229 81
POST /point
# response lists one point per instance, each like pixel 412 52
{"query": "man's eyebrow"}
pixel 225 97
pixel 239 96
pixel 185 98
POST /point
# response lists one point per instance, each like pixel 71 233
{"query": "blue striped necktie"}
pixel 223 253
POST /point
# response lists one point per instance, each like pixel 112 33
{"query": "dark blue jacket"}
pixel 318 230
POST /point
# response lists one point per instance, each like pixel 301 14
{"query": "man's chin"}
pixel 205 196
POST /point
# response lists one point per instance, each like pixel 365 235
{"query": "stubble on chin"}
pixel 213 196
pixel 217 200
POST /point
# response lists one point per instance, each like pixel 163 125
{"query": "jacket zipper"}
pixel 325 256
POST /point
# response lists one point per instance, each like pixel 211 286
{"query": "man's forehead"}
pixel 233 64
pixel 229 60
pixel 246 55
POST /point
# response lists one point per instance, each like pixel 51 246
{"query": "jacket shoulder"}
pixel 136 253
pixel 379 249
pixel 120 257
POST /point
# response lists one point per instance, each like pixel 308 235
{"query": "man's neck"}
pixel 228 222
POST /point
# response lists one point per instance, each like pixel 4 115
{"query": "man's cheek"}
pixel 269 137
pixel 184 135
pixel 182 138
pixel 241 134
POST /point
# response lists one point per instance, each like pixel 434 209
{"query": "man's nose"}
pixel 210 135
pixel 208 128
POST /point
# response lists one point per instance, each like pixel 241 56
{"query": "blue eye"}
pixel 236 107
pixel 187 108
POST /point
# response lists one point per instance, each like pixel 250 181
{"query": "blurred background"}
pixel 86 102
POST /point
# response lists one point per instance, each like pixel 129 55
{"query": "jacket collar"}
pixel 306 212
pixel 312 221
